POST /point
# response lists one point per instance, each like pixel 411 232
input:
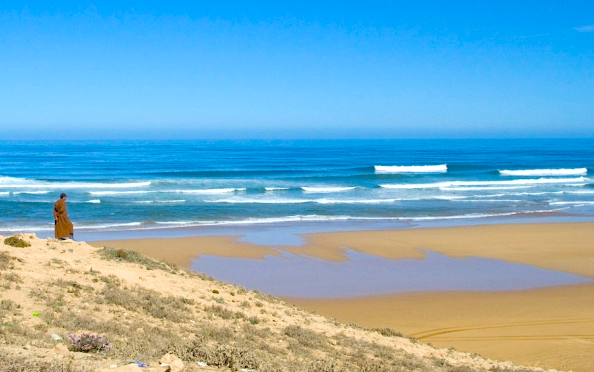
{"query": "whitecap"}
pixel 30 192
pixel 411 168
pixel 326 189
pixel 544 172
pixel 209 191
pixel 261 201
pixel 585 202
pixel 449 184
pixel 100 193
pixel 483 188
pixel 24 183
pixel 94 201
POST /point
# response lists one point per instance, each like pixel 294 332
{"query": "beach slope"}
pixel 145 308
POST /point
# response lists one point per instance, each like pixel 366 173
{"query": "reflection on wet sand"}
pixel 363 274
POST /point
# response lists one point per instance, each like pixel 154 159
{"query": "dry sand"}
pixel 552 327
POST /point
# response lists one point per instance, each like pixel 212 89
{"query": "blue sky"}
pixel 308 69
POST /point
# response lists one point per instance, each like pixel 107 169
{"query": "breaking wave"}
pixel 326 189
pixel 208 191
pixel 449 184
pixel 28 183
pixel 411 168
pixel 544 172
pixel 100 193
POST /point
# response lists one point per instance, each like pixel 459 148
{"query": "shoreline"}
pixel 546 327
pixel 289 232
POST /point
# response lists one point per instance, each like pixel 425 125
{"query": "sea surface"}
pixel 119 186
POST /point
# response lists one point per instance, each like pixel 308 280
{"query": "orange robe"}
pixel 63 227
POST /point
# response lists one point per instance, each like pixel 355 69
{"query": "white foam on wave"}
pixel 262 201
pixel 326 189
pixel 275 188
pixel 30 192
pixel 94 201
pixel 4 193
pixel 24 183
pixel 319 218
pixel 356 201
pixel 535 193
pixel 450 184
pixel 209 191
pixel 333 201
pixel 492 200
pixel 47 227
pixel 484 188
pixel 585 202
pixel 103 193
pixel 269 220
pixel 171 201
pixel 544 172
pixel 411 168
pixel 579 192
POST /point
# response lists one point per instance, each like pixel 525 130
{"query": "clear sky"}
pixel 296 69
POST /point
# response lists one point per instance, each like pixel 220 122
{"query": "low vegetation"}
pixel 16 242
pixel 112 306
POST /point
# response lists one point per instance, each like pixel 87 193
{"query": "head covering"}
pixel 62 195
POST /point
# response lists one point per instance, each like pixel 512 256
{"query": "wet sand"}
pixel 552 327
pixel 548 327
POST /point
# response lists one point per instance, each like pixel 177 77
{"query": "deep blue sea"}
pixel 150 185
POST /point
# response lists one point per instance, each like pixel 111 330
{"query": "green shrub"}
pixel 13 241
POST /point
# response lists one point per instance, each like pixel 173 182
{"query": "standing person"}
pixel 63 226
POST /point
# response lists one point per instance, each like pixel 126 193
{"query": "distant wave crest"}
pixel 482 183
pixel 23 183
pixel 544 172
pixel 411 168
pixel 209 191
pixel 326 189
pixel 99 193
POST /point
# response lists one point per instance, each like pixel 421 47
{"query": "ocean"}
pixel 119 186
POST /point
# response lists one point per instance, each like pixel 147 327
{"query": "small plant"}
pixel 87 342
pixel 13 241
pixel 239 315
pixel 126 255
pixel 253 320
pixel 12 277
pixel 219 311
pixel 215 291
pixel 244 304
pixel 219 300
pixel 4 260
pixel 388 332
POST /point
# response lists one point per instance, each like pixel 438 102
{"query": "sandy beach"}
pixel 549 327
